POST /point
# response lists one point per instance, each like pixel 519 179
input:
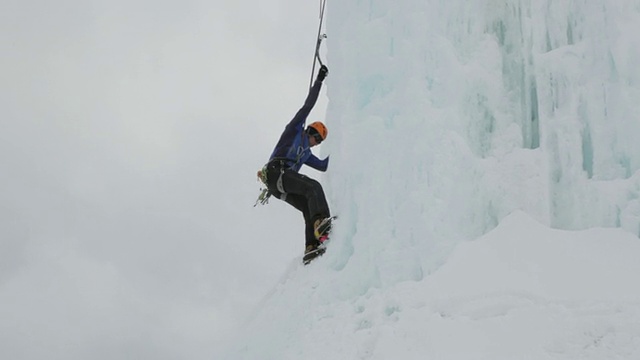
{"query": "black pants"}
pixel 301 192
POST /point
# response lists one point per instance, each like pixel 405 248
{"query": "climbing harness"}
pixel 265 194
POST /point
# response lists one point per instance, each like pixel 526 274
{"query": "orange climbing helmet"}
pixel 317 128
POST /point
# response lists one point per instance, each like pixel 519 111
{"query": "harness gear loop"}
pixel 264 196
pixel 279 183
pixel 262 174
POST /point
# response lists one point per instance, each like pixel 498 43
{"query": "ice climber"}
pixel 283 181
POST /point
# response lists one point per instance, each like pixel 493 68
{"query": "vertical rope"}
pixel 320 36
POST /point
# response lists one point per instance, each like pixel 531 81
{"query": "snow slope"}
pixel 522 291
pixel 485 169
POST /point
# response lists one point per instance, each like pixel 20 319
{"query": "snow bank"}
pixel 522 291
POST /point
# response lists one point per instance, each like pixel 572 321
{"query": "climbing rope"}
pixel 316 56
pixel 319 38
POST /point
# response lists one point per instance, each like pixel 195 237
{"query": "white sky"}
pixel 130 137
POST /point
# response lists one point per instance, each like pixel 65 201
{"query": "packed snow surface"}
pixel 522 291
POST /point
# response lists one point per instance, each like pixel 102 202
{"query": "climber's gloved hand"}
pixel 323 72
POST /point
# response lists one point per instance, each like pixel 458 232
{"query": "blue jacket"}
pixel 294 143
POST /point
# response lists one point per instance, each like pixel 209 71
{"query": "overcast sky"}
pixel 130 135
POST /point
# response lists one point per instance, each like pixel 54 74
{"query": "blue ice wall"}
pixel 445 116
